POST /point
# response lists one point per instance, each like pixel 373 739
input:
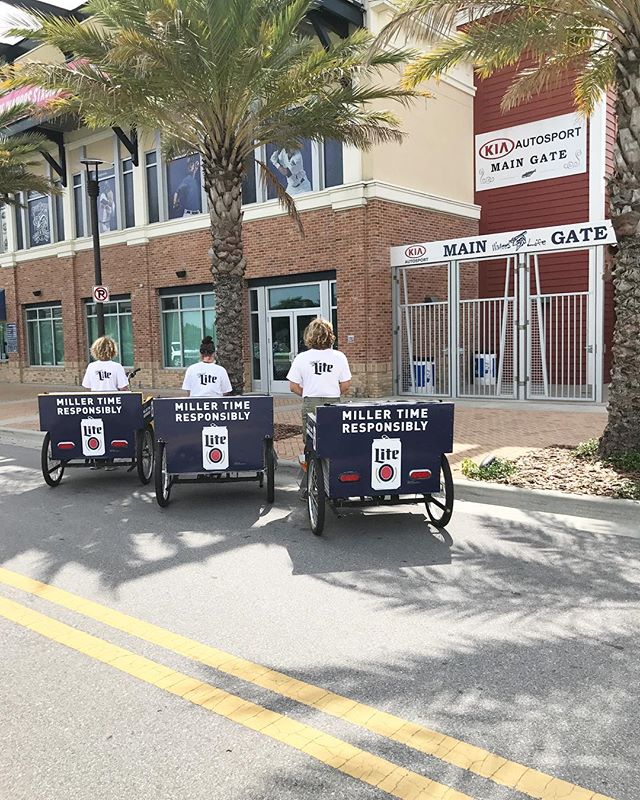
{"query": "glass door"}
pixel 286 340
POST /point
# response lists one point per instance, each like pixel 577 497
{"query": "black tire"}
pixel 270 470
pixel 145 455
pixel 162 478
pixel 52 470
pixel 316 498
pixel 440 505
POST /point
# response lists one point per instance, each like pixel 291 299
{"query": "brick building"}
pixel 155 239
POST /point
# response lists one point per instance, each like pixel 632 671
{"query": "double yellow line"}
pixel 359 764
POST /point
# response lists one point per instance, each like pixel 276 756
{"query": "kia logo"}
pixel 496 148
pixel 415 251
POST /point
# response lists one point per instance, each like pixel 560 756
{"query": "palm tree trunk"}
pixel 223 185
pixel 622 433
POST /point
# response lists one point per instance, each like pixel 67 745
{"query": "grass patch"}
pixel 498 469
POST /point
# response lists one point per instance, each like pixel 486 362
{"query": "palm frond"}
pixel 284 198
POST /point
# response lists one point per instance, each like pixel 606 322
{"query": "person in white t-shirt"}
pixel 320 374
pixel 104 374
pixel 206 378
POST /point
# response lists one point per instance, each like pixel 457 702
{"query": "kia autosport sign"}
pixel 92 432
pixel 537 151
pixel 386 459
pixel 215 447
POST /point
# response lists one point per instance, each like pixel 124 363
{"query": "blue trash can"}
pixel 424 375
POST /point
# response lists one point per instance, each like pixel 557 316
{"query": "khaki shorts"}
pixel 310 404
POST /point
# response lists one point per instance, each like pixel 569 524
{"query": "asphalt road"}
pixel 517 632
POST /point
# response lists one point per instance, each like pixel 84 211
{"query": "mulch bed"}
pixel 282 431
pixel 557 468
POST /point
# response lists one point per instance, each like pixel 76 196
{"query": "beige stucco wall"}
pixel 436 156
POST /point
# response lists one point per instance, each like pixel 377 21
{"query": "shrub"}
pixel 498 469
pixel 588 449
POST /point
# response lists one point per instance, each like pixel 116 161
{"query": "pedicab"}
pixel 93 429
pixel 213 440
pixel 375 454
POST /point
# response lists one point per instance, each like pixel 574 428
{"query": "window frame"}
pixel 39 320
pixel 165 295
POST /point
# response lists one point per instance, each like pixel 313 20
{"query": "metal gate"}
pixel 527 342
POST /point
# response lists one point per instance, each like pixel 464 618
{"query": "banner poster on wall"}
pixel 538 151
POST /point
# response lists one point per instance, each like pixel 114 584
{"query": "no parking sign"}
pixel 101 294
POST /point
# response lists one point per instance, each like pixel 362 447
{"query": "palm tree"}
pixel 219 78
pixel 16 153
pixel 596 45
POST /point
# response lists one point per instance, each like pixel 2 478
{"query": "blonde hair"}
pixel 104 349
pixel 318 335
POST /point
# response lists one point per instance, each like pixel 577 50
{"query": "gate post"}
pixel 453 278
pixel 523 360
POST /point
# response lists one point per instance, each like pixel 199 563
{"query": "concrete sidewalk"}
pixel 481 427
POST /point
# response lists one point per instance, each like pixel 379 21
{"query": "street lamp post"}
pixel 92 165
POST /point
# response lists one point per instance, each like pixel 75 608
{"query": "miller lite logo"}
pixel 321 367
pixel 215 447
pixel 92 431
pixel 103 376
pixel 206 379
pixel 386 459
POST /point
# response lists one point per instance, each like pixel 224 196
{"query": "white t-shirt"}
pixel 206 380
pixel 105 376
pixel 320 372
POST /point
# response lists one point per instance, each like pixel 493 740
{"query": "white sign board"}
pixel 101 294
pixel 494 245
pixel 537 151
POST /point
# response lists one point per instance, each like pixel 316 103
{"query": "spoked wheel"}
pixel 144 454
pixel 315 494
pixel 162 477
pixel 52 469
pixel 440 504
pixel 270 469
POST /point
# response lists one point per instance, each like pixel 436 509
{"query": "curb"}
pixel 483 492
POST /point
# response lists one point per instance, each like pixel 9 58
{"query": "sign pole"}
pixel 93 191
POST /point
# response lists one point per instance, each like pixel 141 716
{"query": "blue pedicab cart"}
pixel 384 453
pixel 89 429
pixel 213 440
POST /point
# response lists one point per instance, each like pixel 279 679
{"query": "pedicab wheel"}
pixel 144 454
pixel 162 477
pixel 440 505
pixel 52 469
pixel 315 495
pixel 270 470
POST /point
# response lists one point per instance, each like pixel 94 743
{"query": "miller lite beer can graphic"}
pixel 215 447
pixel 92 431
pixel 386 460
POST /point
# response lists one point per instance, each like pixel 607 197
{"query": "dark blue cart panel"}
pixel 95 425
pixel 389 446
pixel 214 434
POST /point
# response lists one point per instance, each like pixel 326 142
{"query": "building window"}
pixel 333 163
pixel 127 192
pixel 39 219
pixel 79 206
pixel 117 324
pixel 186 319
pixel 255 334
pixel 306 295
pixel 44 334
pixel 107 203
pixel 334 309
pixel 3 342
pixel 184 186
pixel 4 238
pixel 153 193
pixel 293 169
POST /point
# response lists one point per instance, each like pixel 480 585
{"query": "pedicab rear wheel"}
pixel 316 498
pixel 440 504
pixel 162 477
pixel 144 454
pixel 270 470
pixel 52 469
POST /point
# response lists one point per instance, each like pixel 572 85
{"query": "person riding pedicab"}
pixel 320 374
pixel 104 374
pixel 206 378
